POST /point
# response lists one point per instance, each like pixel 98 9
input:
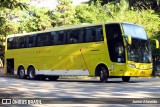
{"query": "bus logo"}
pixel 6 101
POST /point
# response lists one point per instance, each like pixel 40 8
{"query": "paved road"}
pixel 115 88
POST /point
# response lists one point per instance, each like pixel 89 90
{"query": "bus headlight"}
pixel 132 65
pixel 151 67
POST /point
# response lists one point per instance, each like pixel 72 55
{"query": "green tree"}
pixel 92 13
pixel 140 4
pixel 64 13
pixel 35 19
pixel 10 24
pixel 12 4
pixel 8 10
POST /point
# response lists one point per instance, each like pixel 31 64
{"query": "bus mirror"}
pixel 128 39
pixel 157 42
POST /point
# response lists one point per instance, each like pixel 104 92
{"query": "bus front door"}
pixel 119 64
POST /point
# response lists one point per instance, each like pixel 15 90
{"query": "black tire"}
pixel 53 78
pixel 31 73
pixel 21 73
pixel 103 73
pixel 126 78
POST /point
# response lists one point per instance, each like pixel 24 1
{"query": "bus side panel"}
pixel 100 56
pixel 63 60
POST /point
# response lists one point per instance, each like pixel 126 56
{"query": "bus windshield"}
pixel 139 50
pixel 134 31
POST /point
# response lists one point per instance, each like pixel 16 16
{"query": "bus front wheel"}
pixel 31 73
pixel 21 73
pixel 126 78
pixel 103 74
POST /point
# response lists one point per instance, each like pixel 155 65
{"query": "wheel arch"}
pixel 98 67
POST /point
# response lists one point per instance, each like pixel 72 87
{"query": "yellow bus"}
pixel 107 50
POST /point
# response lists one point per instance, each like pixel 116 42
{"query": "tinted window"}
pixel 99 34
pixel 61 37
pixel 57 38
pixel 10 43
pixel 21 42
pixel 93 34
pixel 89 35
pixel 31 40
pixel 43 39
pixel 75 36
pixel 70 36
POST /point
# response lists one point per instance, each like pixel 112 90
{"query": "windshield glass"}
pixel 139 50
pixel 134 31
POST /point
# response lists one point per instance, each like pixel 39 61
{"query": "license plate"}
pixel 142 72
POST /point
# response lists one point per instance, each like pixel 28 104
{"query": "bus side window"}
pixel 31 41
pixel 15 45
pixel 21 42
pixel 39 43
pixel 89 34
pixel 81 35
pixel 10 43
pixel 52 36
pixel 59 37
pixel 46 37
pixel 73 36
pixel 55 38
pixel 43 39
pixel 62 37
pixel 99 34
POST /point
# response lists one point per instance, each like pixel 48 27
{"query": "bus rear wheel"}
pixel 21 73
pixel 31 73
pixel 126 78
pixel 103 74
pixel 53 78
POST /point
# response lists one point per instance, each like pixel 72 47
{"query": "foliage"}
pixel 9 24
pixel 146 18
pixel 119 12
pixel 91 13
pixel 12 4
pixel 138 4
pixel 8 9
pixel 8 12
pixel 64 13
pixel 35 19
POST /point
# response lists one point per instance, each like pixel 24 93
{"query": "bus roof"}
pixel 65 27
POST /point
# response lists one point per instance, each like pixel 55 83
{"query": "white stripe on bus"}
pixel 60 72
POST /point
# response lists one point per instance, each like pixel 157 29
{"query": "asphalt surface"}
pixel 139 88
